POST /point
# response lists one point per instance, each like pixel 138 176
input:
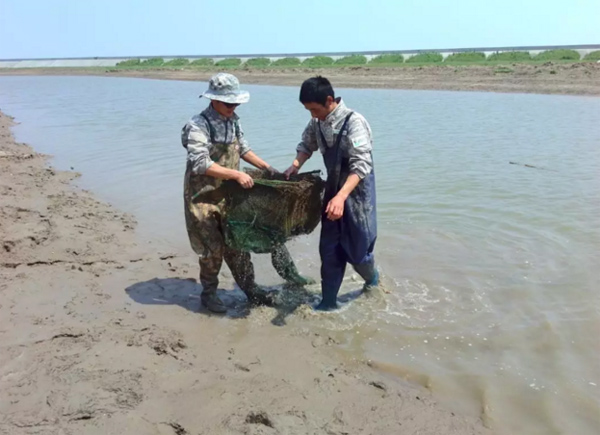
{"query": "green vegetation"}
pixel 231 62
pixel 468 56
pixel 178 62
pixel 503 70
pixel 287 61
pixel 509 56
pixel 318 61
pixel 387 58
pixel 355 59
pixel 137 63
pixel 129 63
pixel 594 56
pixel 258 62
pixel 205 61
pixel 153 61
pixel 557 55
pixel 391 59
pixel 431 57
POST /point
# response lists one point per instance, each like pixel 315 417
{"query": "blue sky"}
pixel 79 28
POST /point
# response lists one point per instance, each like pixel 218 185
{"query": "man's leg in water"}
pixel 367 269
pixel 209 278
pixel 203 228
pixel 333 264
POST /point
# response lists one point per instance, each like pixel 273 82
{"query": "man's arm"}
pixel 257 162
pixel 198 146
pixel 217 171
pixel 304 150
pixel 359 144
pixel 300 159
pixel 335 207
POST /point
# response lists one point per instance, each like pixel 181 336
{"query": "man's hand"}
pixel 244 180
pixel 335 208
pixel 301 158
pixel 271 170
pixel 292 170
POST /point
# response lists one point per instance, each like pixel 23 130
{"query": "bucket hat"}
pixel 226 88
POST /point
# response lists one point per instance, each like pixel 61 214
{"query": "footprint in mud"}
pixel 168 343
pixel 177 428
pixel 260 417
pixel 87 394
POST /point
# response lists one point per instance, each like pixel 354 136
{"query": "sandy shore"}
pixel 548 78
pixel 99 335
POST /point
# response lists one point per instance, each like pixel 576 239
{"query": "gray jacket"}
pixel 195 136
pixel 356 144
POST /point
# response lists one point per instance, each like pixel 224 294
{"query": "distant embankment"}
pixel 574 53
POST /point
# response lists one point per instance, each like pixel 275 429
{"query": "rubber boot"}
pixel 211 300
pixel 284 266
pixel 209 278
pixel 257 295
pixel 369 273
pixel 329 300
pixel 333 267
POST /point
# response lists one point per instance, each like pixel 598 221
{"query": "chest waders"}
pixel 204 227
pixel 350 239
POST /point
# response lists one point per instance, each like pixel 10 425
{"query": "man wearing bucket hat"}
pixel 215 143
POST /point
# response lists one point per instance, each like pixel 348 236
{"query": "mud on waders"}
pixel 205 209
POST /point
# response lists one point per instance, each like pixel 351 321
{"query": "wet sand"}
pixel 102 335
pixel 547 78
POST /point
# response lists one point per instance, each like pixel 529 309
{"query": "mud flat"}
pixel 542 78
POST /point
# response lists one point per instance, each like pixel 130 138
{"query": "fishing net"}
pixel 272 212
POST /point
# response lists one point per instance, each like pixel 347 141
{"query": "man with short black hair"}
pixel 349 221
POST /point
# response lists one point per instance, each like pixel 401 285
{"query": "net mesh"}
pixel 273 211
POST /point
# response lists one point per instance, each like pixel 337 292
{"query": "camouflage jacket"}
pixel 195 137
pixel 356 144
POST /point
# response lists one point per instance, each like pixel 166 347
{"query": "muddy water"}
pixel 491 269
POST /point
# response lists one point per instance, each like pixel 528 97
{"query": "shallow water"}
pixel 492 269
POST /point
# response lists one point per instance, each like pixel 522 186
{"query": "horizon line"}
pixel 339 53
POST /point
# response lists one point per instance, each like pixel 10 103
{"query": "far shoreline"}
pixel 581 78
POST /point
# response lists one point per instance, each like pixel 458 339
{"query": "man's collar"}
pixel 338 112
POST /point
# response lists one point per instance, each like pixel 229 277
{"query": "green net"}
pixel 272 212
